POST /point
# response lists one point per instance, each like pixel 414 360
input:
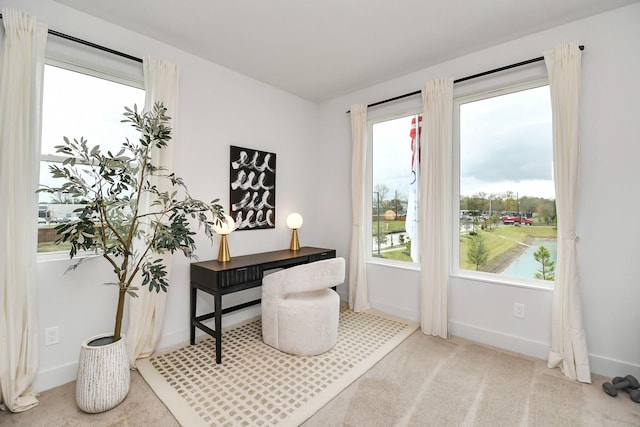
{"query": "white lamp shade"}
pixel 294 221
pixel 226 226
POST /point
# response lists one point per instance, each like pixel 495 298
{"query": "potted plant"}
pixel 128 218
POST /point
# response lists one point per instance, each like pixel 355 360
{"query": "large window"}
pixel 77 104
pixel 507 218
pixel 395 177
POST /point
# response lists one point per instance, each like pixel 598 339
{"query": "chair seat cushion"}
pixel 308 322
pixel 300 311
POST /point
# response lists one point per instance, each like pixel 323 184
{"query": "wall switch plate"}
pixel 518 310
pixel 51 336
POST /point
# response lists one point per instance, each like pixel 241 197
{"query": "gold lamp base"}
pixel 295 245
pixel 223 252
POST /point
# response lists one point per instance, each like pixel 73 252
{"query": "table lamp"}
pixel 223 228
pixel 294 221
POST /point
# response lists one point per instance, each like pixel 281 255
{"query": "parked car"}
pixel 522 220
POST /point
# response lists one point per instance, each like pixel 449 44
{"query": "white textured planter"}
pixel 103 375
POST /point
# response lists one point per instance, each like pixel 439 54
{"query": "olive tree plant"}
pixel 125 215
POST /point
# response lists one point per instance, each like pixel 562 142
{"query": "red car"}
pixel 516 219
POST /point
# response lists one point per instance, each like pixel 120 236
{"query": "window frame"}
pixel 370 259
pixel 456 271
pixel 92 72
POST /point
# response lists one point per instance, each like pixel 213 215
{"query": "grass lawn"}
pixel 388 226
pixel 501 242
pixel 52 247
pixel 399 255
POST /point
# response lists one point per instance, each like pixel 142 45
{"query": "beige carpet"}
pixel 257 385
pixel 425 381
pixel 429 381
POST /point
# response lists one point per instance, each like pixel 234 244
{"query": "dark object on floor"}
pixel 633 389
pixel 629 384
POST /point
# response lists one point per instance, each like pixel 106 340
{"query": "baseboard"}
pixel 54 377
pixel 612 367
pixel 383 307
pixel 499 339
pixel 401 312
pixel 600 365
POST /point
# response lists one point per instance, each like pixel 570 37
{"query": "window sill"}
pixel 395 264
pixel 61 256
pixel 505 281
pixel 494 279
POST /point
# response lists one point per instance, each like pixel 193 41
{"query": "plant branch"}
pixel 115 219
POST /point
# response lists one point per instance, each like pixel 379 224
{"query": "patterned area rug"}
pixel 257 385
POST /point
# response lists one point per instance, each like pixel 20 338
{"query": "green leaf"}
pixel 109 188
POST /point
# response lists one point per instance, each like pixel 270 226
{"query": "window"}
pixel 395 177
pixel 77 104
pixel 507 219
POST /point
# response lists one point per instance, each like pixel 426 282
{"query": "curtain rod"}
pixel 90 44
pixel 464 79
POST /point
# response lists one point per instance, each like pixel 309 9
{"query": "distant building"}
pixel 57 212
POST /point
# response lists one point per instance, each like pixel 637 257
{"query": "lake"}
pixel 526 265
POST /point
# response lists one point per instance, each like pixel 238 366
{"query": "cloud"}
pixel 514 156
pixel 506 145
pixel 506 140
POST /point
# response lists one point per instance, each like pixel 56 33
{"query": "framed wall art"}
pixel 252 178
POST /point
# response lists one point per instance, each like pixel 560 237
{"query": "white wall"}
pixel 608 248
pixel 218 108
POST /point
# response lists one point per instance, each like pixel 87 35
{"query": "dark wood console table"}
pixel 243 272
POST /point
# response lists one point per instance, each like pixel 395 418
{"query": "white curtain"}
pixel 358 299
pixel 146 313
pixel 568 342
pixel 435 211
pixel 21 76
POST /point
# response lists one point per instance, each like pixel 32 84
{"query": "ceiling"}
pixel 325 48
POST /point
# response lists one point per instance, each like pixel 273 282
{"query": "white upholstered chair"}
pixel 300 311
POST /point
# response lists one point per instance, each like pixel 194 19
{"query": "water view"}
pixel 526 265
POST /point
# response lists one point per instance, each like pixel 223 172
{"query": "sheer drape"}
pixel 435 211
pixel 358 299
pixel 21 76
pixel 568 342
pixel 146 313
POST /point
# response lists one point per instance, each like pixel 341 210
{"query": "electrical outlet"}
pixel 518 310
pixel 51 336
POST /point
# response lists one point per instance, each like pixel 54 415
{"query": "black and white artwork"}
pixel 252 175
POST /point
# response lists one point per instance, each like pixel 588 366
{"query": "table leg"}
pixel 192 318
pixel 217 301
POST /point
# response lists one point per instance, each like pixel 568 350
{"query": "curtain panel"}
pixel 21 79
pixel 435 210
pixel 568 340
pixel 358 299
pixel 146 313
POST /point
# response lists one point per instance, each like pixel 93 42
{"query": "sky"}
pixel 392 155
pixel 93 110
pixel 505 140
pixel 505 145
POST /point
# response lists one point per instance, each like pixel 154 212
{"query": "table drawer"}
pixel 239 275
pixel 322 255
